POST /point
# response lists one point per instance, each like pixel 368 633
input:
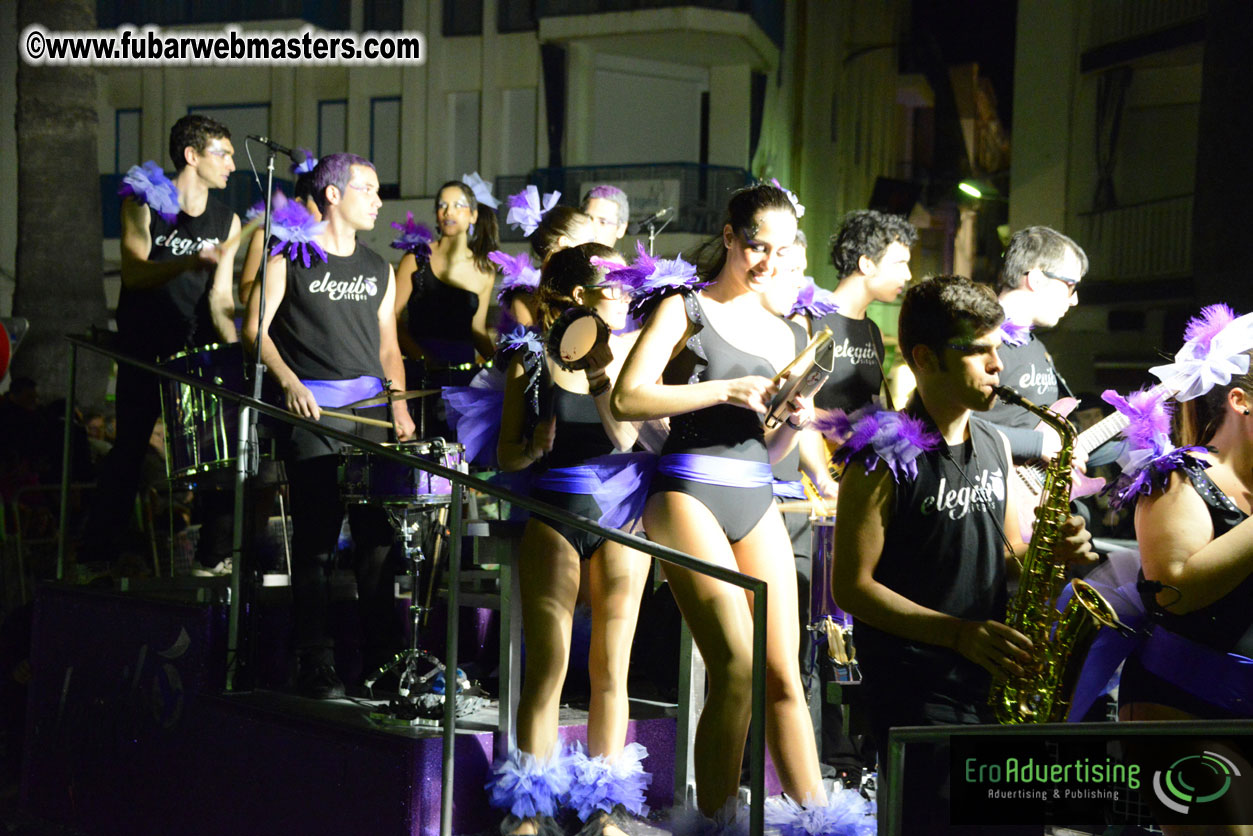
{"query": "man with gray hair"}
pixel 1039 284
pixel 610 210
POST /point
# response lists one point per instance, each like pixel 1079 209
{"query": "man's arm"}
pixel 390 358
pixel 138 273
pixel 296 395
pixel 864 511
pixel 222 291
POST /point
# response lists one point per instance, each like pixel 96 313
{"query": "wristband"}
pixel 601 389
pixel 797 427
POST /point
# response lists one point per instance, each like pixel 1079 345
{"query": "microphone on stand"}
pixel 652 220
pixel 296 156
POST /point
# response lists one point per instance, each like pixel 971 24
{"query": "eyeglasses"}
pixel 971 349
pixel 608 290
pixel 1072 285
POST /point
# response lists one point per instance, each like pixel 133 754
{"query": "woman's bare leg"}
pixel 616 577
pixel 721 626
pixel 766 553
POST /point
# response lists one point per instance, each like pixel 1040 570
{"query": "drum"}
pixel 828 622
pixel 201 429
pixel 372 480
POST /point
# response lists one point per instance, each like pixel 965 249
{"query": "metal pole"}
pixel 889 809
pixel 757 729
pixel 450 661
pixel 63 529
pixel 235 604
pixel 691 702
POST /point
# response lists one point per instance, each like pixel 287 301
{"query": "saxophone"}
pixel 1059 642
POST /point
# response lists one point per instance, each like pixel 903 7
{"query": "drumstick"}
pixel 348 416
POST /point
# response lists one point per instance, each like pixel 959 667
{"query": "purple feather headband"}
pixel 526 209
pixel 149 185
pixel 648 279
pixel 1212 354
pixel 518 272
pixel 296 231
pixel 481 188
pixel 414 238
pixel 796 203
pixel 813 301
pixel 305 166
pixel 895 438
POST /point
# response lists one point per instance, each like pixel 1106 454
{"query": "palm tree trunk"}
pixel 59 261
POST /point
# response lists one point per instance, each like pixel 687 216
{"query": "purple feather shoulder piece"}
pixel 520 338
pixel 876 434
pixel 148 184
pixel 649 279
pixel 414 238
pixel 1014 334
pixel 1150 456
pixel 517 272
pixel 813 301
pixel 295 231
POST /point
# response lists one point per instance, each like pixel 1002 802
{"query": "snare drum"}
pixel 827 621
pixel 200 429
pixel 372 480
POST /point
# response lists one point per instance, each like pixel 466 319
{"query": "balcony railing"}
pixel 1144 241
pixel 1122 20
pixel 768 14
pixel 698 192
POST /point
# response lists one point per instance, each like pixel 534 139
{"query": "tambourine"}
pixel 805 376
pixel 575 335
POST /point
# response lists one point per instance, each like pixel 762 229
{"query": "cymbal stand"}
pixel 414 524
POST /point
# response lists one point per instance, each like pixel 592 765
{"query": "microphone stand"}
pixel 653 229
pixel 247 463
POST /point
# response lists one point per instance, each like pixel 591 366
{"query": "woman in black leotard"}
pixel 581 433
pixel 707 360
pixel 1196 542
pixel 442 301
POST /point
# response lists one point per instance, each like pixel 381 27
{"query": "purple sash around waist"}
pixel 335 393
pixel 716 470
pixel 789 490
pixel 1221 679
pixel 618 482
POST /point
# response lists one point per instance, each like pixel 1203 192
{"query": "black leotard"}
pixel 1225 625
pixel 722 430
pixel 440 317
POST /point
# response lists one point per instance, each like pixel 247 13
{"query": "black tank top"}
pixel 327 326
pixel 1030 373
pixel 176 314
pixel 943 550
pixel 856 376
pixel 1227 624
pixel 722 429
pixel 580 434
pixel 439 311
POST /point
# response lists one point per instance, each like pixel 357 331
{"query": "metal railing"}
pixel 460 481
pixel 1152 239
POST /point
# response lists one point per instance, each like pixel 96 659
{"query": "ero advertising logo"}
pixel 1194 780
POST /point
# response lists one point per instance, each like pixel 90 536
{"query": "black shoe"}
pixel 320 682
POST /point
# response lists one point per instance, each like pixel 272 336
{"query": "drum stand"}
pixel 414 524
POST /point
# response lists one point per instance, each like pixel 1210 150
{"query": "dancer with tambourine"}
pixel 557 422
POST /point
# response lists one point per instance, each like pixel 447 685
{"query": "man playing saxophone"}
pixel 922 548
